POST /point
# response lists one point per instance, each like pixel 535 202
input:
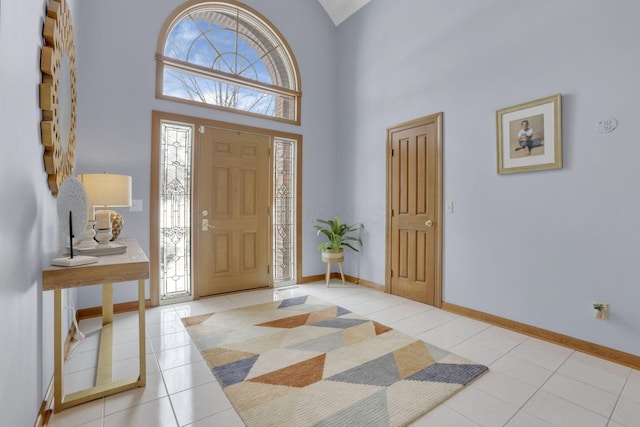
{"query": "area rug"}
pixel 306 362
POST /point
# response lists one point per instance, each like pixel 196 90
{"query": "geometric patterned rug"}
pixel 306 362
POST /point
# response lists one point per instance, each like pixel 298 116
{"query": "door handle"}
pixel 428 223
pixel 206 226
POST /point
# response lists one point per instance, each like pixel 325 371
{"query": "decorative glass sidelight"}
pixel 175 211
pixel 284 212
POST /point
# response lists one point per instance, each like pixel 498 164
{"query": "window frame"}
pixel 163 62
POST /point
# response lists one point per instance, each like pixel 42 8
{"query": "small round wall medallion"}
pixel 58 94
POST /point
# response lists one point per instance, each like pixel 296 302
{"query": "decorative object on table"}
pixel 529 136
pixel 58 94
pixel 72 214
pixel 304 361
pixel 107 190
pixel 338 237
pixel 108 248
pixel 88 235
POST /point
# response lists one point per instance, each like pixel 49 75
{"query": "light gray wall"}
pixel 116 93
pixel 28 219
pixel 535 247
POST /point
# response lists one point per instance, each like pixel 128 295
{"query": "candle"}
pixel 70 235
pixel 103 220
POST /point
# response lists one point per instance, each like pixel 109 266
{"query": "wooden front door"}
pixel 414 218
pixel 232 214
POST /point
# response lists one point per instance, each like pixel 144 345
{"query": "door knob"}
pixel 206 226
pixel 428 223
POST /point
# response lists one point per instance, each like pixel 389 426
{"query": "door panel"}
pixel 233 184
pixel 414 196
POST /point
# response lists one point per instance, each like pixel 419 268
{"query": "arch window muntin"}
pixel 243 26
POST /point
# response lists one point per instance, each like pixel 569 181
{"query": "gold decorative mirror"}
pixel 58 94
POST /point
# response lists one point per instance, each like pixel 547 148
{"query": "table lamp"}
pixel 107 190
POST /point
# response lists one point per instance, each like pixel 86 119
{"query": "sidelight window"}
pixel 176 144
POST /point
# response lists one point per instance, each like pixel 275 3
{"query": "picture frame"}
pixel 529 136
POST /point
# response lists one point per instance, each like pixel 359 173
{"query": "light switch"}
pixel 449 207
pixel 136 205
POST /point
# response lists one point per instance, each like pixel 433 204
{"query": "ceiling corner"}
pixel 340 10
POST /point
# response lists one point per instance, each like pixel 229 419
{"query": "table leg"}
pixel 107 303
pixel 104 373
pixel 142 380
pixel 58 349
pixel 328 275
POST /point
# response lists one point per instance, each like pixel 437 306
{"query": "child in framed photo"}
pixel 528 139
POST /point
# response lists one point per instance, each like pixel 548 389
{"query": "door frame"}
pixel 154 238
pixel 436 118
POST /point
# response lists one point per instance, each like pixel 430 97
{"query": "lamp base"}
pixel 103 235
pixel 117 222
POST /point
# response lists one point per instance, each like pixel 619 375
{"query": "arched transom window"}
pixel 224 55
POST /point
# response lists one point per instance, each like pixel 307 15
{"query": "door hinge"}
pixel 268 269
pixel 201 129
pixel 393 152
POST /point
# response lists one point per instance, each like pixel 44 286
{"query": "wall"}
pixel 116 82
pixel 28 219
pixel 534 247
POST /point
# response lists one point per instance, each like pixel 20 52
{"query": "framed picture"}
pixel 530 136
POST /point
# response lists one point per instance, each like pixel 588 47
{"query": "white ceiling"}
pixel 339 10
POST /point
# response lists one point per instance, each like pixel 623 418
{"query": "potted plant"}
pixel 339 236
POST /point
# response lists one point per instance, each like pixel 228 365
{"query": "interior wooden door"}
pixel 414 211
pixel 233 215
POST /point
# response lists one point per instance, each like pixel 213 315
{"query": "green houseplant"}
pixel 338 235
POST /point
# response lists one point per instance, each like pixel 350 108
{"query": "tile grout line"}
pixel 615 405
pixel 318 292
pixel 556 371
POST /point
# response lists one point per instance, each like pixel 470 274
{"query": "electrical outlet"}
pixel 600 310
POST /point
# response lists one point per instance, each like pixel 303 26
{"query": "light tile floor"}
pixel 529 383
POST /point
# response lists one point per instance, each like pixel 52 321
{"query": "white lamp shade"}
pixel 107 189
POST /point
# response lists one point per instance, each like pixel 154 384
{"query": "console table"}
pixel 129 266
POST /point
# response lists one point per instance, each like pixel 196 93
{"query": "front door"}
pixel 232 211
pixel 414 218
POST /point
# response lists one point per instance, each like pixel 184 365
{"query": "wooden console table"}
pixel 129 266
